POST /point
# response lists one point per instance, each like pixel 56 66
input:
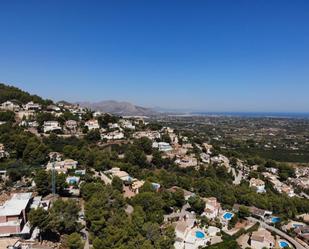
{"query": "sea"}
pixel 296 115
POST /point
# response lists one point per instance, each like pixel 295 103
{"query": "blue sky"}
pixel 250 55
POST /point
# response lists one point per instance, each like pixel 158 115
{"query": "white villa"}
pixel 152 135
pixel 97 114
pixel 212 208
pixel 162 146
pixel 92 124
pixel 32 106
pixel 124 176
pixel 62 166
pixel 205 157
pixel 113 125
pixel 53 108
pixel 55 155
pixel 186 161
pixel 51 126
pixel 262 239
pixel 220 159
pixel 127 124
pixel 3 152
pixel 136 185
pixel 3 174
pixel 188 236
pixel 10 106
pixel 115 135
pixel 278 185
pixel 258 184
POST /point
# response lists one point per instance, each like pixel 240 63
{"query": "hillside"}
pixel 119 108
pixel 13 93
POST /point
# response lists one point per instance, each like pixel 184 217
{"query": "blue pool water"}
pixel 228 216
pixel 275 219
pixel 283 244
pixel 199 235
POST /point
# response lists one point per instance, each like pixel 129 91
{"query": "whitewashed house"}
pixel 32 106
pixel 115 135
pixel 162 146
pixel 9 106
pixel 258 184
pixel 92 124
pixel 49 126
pixel 262 239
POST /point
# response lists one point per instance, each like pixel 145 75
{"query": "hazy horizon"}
pixel 212 56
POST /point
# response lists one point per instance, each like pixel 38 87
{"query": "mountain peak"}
pixel 122 108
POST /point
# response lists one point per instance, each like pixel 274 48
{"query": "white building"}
pixel 113 125
pixel 33 124
pixel 220 159
pixel 262 239
pixel 51 126
pixel 97 114
pixel 213 231
pixel 13 215
pixel 115 135
pixel 9 106
pixel 124 176
pixel 205 158
pixel 55 156
pixel 152 135
pixel 32 106
pixel 186 235
pixel 92 124
pixel 162 146
pixel 3 153
pixel 53 108
pixel 212 208
pixel 127 124
pixel 258 184
pixel 208 148
pixel 62 166
pixel 3 174
pixel 278 185
pixel 186 161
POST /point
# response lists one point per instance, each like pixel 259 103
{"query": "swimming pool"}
pixel 228 216
pixel 275 219
pixel 199 235
pixel 283 244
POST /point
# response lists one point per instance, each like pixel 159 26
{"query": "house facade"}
pixel 13 214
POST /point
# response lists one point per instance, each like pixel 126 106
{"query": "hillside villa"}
pixel 212 208
pixel 258 184
pixel 62 166
pixel 262 239
pixel 51 126
pixel 92 124
pixel 13 214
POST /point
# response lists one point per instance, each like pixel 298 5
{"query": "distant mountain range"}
pixel 118 108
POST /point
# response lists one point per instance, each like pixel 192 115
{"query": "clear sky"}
pixel 214 55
